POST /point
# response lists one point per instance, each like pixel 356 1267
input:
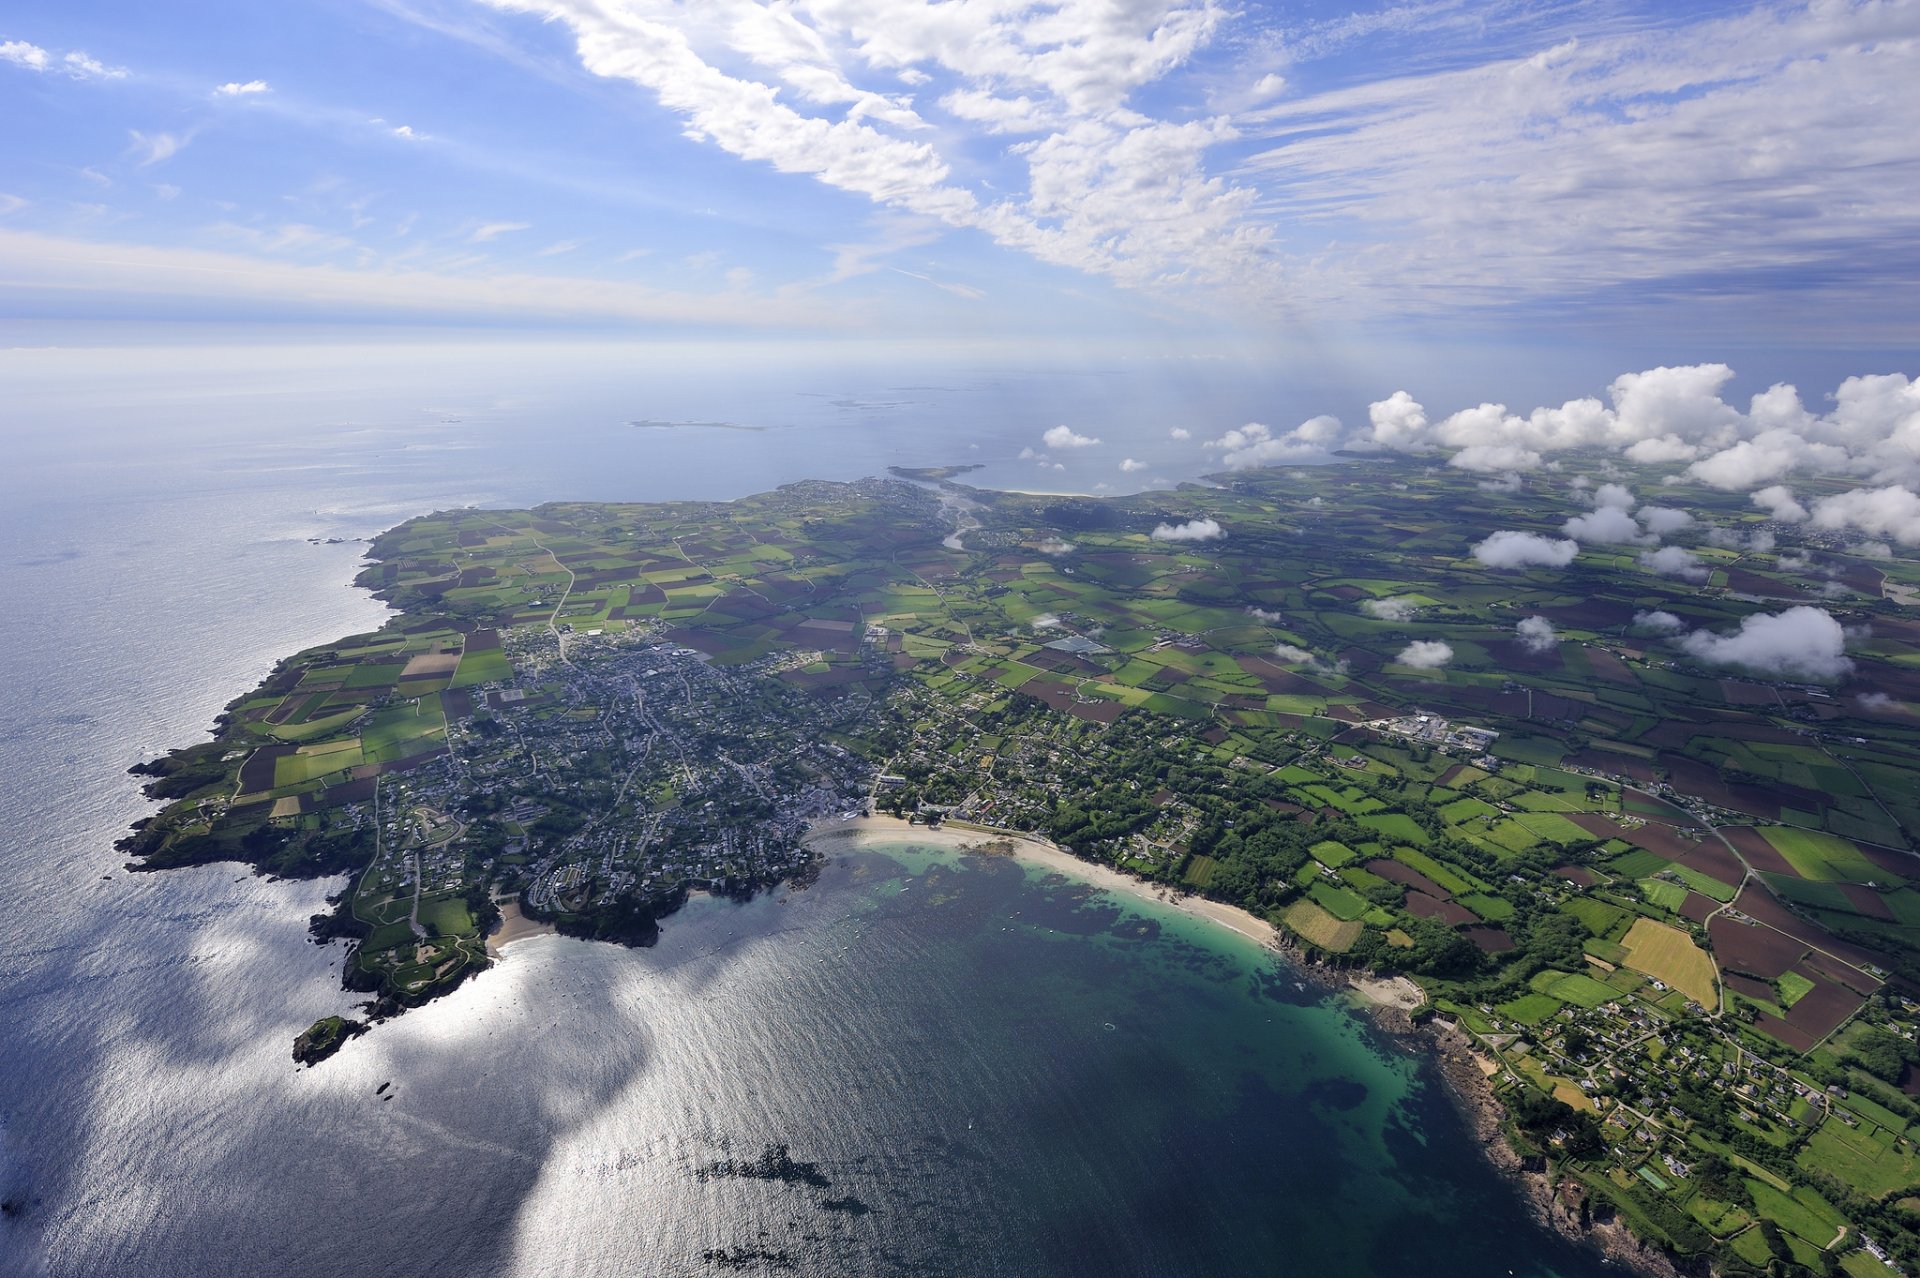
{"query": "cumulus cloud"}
pixel 1800 643
pixel 1180 432
pixel 1871 550
pixel 1425 654
pixel 1510 549
pixel 1266 615
pixel 1257 444
pixel 1537 634
pixel 1606 526
pixel 1880 703
pixel 1892 512
pixel 1673 561
pixel 1130 465
pixel 1665 416
pixel 1779 503
pixel 1293 656
pixel 1055 546
pixel 1615 496
pixel 1507 483
pixel 76 64
pixel 1663 521
pixel 22 54
pixel 237 89
pixel 1656 622
pixel 1392 608
pixel 1067 437
pixel 1192 530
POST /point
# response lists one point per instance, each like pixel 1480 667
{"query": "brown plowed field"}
pixel 1698 907
pixel 1751 948
pixel 1410 877
pixel 1760 854
pixel 1491 940
pixel 1448 912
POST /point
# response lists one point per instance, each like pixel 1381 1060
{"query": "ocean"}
pixel 974 1069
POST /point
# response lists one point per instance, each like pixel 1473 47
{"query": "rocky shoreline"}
pixel 1451 1052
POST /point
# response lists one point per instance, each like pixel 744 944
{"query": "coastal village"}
pixel 1667 914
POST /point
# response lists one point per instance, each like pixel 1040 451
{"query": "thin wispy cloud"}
pixel 487 232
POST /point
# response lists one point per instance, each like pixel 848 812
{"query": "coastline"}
pixel 515 926
pixel 1387 1001
pixel 1040 852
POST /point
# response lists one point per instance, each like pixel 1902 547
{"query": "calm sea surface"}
pixel 994 1073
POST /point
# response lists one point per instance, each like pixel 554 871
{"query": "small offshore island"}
pixel 1661 890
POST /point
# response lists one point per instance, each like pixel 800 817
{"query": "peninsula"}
pixel 1639 825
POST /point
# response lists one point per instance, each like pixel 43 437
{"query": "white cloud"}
pixel 238 89
pixel 1871 550
pixel 1618 496
pixel 1293 656
pixel 1130 465
pixel 1656 622
pixel 1600 155
pixel 1800 643
pixel 152 148
pixel 1055 546
pixel 78 65
pixel 406 133
pixel 1663 521
pixel 487 232
pixel 1778 501
pixel 1425 654
pixel 1392 608
pixel 1108 189
pixel 1067 437
pixel 1674 414
pixel 81 67
pixel 1510 549
pixel 22 54
pixel 1892 512
pixel 1537 634
pixel 1673 561
pixel 1880 703
pixel 1507 483
pixel 1192 530
pixel 1605 526
pixel 1256 444
pixel 1180 432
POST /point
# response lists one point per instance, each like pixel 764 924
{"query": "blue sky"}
pixel 1642 177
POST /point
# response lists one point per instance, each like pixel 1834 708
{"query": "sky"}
pixel 1662 182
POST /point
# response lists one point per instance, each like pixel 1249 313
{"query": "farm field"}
pixel 1639 880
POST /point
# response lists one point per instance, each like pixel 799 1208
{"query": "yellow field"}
pixel 1320 927
pixel 1668 954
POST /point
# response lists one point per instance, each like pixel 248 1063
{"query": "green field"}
pixel 1814 855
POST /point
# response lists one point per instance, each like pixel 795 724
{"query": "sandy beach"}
pixel 874 830
pixel 514 926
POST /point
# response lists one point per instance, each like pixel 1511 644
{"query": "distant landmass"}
pixel 1635 821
